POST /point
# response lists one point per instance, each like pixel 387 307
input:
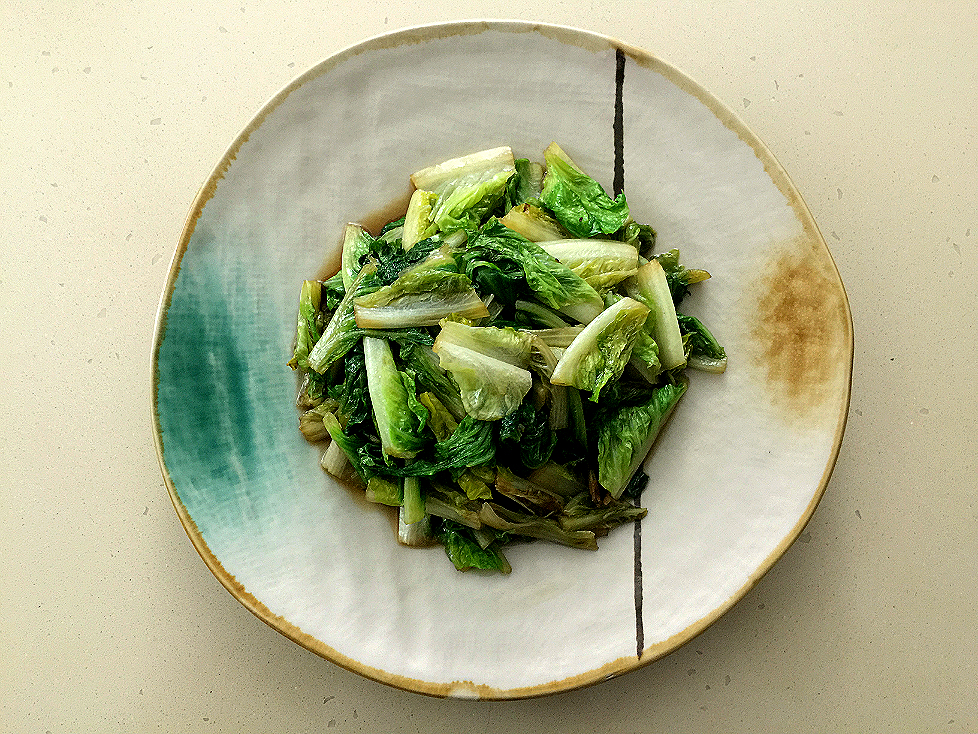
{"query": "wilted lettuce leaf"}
pixel 526 433
pixel 440 420
pixel 463 550
pixel 333 292
pixel 582 514
pixel 398 415
pixel 626 434
pixel 506 344
pixel 525 185
pixel 511 255
pixel 472 444
pixel 577 200
pixel 340 333
pixel 598 355
pixel 490 388
pixel 474 487
pixel 703 350
pixel 418 222
pixel 309 325
pixel 468 202
pixel 677 276
pixel 357 244
pixel 419 298
pixel 640 236
pixel 423 365
pixel 351 394
pixel 602 263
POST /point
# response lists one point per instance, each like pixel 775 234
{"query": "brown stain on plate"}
pixel 799 329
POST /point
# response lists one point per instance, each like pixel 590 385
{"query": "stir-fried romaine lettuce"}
pixel 340 333
pixel 601 263
pixel 398 414
pixel 529 269
pixel 649 286
pixel 490 387
pixel 419 298
pixel 626 434
pixel 310 324
pixel 598 354
pixel 533 223
pixel 496 364
pixel 577 200
pixel 704 351
pixel 506 344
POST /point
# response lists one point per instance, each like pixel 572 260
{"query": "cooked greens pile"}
pixel 498 362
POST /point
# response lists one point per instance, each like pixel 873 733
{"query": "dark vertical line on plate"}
pixel 639 625
pixel 619 187
pixel 619 124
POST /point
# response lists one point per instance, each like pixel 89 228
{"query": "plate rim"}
pixel 570 35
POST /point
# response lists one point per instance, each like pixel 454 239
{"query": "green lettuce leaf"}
pixel 677 276
pixel 525 184
pixel 649 286
pixel 626 434
pixel 419 298
pixel 505 344
pixel 472 444
pixel 577 200
pixel 582 514
pixel 466 553
pixel 423 364
pixel 602 263
pixel 490 388
pixel 310 323
pixel 510 258
pixel 397 412
pixel 467 188
pixel 703 350
pixel 526 433
pixel 598 354
pixel 341 334
pixel 357 244
pixel 418 221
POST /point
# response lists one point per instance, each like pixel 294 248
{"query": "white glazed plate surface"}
pixel 734 478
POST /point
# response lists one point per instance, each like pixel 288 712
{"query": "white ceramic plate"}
pixel 735 477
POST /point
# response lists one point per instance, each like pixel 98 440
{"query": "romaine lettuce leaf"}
pixel 703 350
pixel 577 200
pixel 506 344
pixel 472 444
pixel 677 276
pixel 547 280
pixel 357 244
pixel 602 263
pixel 526 433
pixel 526 184
pixel 340 333
pixel 490 388
pixel 419 298
pixel 419 223
pixel 424 366
pixel 626 434
pixel 396 410
pixel 533 223
pixel 309 325
pixel 466 553
pixel 466 188
pixel 598 354
pixel 649 286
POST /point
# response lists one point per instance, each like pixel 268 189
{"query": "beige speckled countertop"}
pixel 112 117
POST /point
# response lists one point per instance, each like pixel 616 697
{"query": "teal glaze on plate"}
pixel 735 477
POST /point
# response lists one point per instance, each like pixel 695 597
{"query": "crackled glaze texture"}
pixel 735 476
